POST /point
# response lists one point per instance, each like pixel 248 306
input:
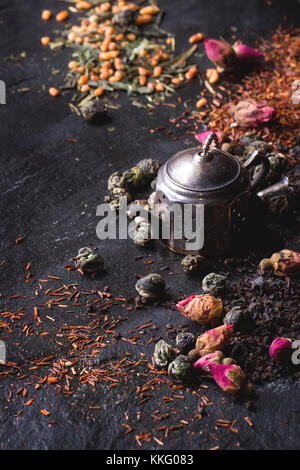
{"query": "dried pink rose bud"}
pixel 281 350
pixel 202 364
pixel 205 308
pixel 249 113
pixel 203 136
pixel 220 53
pixel 214 340
pixel 230 377
pixel 246 54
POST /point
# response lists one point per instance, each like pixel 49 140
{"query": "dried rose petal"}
pixel 249 113
pixel 246 54
pixel 203 363
pixel 203 136
pixel 220 53
pixel 284 263
pixel 281 350
pixel 214 340
pixel 230 377
pixel 204 309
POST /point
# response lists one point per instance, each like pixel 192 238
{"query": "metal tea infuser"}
pixel 217 180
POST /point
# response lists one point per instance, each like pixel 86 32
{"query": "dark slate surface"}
pixel 50 198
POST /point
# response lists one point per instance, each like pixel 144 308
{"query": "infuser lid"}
pixel 205 169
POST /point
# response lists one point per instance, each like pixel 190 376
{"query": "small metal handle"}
pixel 257 159
pixel 210 139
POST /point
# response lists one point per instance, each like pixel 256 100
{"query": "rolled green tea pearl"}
pixel 278 163
pixel 123 18
pixel 88 260
pixel 133 178
pixel 215 284
pixel 163 354
pixel 192 263
pixel 151 286
pixel 240 318
pixel 180 370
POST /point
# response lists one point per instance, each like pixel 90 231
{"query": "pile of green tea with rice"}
pixel 119 45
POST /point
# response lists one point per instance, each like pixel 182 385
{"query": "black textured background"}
pixel 49 197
